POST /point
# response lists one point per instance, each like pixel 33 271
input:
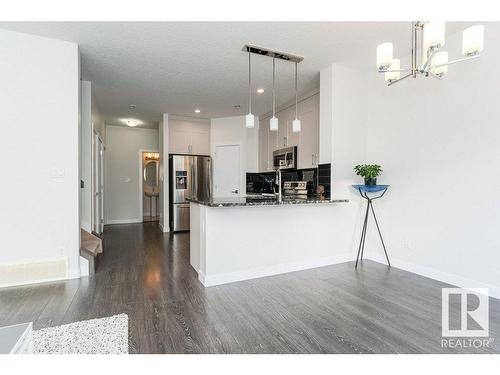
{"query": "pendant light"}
pixel 249 119
pixel 273 122
pixel 296 122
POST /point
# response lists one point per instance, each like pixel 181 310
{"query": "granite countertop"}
pixel 261 201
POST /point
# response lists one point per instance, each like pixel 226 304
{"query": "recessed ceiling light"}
pixel 132 106
pixel 197 111
pixel 260 91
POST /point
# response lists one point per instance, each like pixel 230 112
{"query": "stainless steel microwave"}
pixel 285 158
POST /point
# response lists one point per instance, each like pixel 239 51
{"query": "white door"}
pixel 97 185
pixel 101 187
pixel 227 171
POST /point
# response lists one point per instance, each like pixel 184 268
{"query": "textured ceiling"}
pixel 175 67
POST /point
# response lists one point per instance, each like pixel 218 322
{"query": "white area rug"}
pixel 97 336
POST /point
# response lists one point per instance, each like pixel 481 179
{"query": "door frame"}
pixel 214 164
pixel 141 190
pixel 96 152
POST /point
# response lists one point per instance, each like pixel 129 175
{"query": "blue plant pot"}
pixel 370 181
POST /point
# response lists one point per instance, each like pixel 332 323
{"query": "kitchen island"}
pixel 235 239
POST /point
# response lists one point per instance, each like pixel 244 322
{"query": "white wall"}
pixel 232 130
pixel 97 119
pixel 439 145
pixel 124 171
pixel 343 144
pixel 39 150
pixel 86 156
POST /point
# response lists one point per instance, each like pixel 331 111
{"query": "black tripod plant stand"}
pixel 364 190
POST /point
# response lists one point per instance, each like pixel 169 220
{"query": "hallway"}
pixel 146 274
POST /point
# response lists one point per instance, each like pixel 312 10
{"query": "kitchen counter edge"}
pixel 242 202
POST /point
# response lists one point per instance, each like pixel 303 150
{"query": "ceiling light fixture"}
pixel 197 110
pixel 296 122
pixel 273 122
pixel 132 107
pixel 430 37
pixel 131 122
pixel 260 91
pixel 249 118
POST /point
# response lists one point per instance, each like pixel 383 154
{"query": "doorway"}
pixel 150 192
pixel 97 184
pixel 227 171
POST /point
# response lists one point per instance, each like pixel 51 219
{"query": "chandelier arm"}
pixel 396 81
pixel 435 76
pixel 456 61
pixel 394 70
pixel 425 67
pixel 414 49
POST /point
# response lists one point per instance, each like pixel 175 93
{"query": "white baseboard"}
pixel 254 273
pixel 36 271
pixel 124 221
pixel 84 267
pixel 164 229
pixel 438 275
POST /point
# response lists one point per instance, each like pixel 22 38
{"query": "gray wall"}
pixel 123 171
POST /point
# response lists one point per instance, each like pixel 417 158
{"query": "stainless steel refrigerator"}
pixel 190 177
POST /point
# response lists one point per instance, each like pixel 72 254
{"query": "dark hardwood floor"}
pixel 335 309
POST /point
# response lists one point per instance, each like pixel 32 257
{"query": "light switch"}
pixel 57 173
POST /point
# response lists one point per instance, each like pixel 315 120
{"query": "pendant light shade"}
pixel 273 122
pixel 296 122
pixel 384 55
pixel 434 34
pixel 439 59
pixel 249 119
pixel 473 40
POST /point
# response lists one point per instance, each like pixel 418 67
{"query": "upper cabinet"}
pixel 307 140
pixel 189 137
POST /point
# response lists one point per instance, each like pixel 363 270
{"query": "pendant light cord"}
pixel 249 83
pixel 296 102
pixel 274 97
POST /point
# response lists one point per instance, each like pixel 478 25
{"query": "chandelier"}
pixel 427 40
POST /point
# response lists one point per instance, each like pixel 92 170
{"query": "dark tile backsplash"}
pixel 263 182
pixel 324 178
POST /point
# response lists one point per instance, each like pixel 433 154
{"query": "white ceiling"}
pixel 175 67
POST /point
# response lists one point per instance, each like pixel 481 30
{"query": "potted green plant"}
pixel 369 172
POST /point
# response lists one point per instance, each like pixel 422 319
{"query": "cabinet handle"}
pixel 284 141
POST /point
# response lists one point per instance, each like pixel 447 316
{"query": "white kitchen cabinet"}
pixel 308 147
pixel 189 138
pixel 272 146
pixel 263 147
pixel 200 143
pixel 307 140
pixel 180 141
